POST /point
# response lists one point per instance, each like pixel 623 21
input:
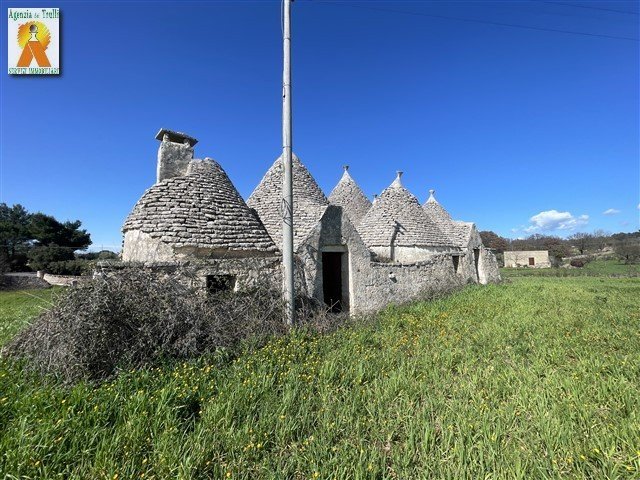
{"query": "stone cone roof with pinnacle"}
pixel 201 209
pixel 309 203
pixel 458 232
pixel 397 213
pixel 348 195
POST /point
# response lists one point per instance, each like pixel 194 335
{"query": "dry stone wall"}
pixel 21 281
pixel 397 283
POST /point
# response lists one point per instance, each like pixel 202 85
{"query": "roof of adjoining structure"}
pixel 458 232
pixel 201 209
pixel 309 203
pixel 397 217
pixel 348 195
pixel 461 233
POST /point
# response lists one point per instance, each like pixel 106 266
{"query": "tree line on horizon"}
pixel 37 241
pixel 624 246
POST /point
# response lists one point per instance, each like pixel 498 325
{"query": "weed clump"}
pixel 133 318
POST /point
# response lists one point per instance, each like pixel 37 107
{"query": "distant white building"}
pixel 530 258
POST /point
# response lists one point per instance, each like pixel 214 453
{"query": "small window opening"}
pixel 532 261
pixel 220 283
pixel 456 262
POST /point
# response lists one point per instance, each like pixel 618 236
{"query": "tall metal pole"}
pixel 288 288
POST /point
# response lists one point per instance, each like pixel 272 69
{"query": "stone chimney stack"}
pixel 174 154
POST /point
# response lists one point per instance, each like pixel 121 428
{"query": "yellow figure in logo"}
pixel 33 38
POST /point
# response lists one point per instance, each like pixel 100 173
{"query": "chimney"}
pixel 174 154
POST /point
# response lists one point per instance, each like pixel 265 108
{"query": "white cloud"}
pixel 551 220
pixel 610 211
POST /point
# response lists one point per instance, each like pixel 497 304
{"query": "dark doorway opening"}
pixel 532 261
pixel 476 261
pixel 332 280
pixel 456 262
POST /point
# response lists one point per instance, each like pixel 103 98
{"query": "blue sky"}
pixel 521 130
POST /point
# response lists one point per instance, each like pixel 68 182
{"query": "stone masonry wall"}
pixel 248 272
pixel 396 283
pixel 334 232
pixel 21 282
pixel 489 270
pixel 64 280
pixel 142 247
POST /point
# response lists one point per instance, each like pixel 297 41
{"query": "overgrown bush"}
pixel 578 262
pixel 41 257
pixel 70 267
pixel 134 318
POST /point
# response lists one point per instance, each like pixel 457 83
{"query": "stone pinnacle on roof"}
pixel 201 209
pixel 398 181
pixel 396 213
pixel 309 203
pixel 348 195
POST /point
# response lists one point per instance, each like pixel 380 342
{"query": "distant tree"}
pixel 42 256
pixel 558 249
pixel 622 235
pixel 101 255
pixel 601 238
pixel 14 235
pixel 494 241
pixel 582 241
pixel 21 232
pixel 4 262
pixel 107 255
pixel 46 230
pixel 627 247
pixel 520 244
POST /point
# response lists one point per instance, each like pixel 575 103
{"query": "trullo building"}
pixel 350 254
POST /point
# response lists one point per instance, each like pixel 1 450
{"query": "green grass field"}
pixel 17 308
pixel 534 378
pixel 594 268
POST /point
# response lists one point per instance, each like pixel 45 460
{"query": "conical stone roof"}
pixel 348 195
pixel 458 232
pixel 201 209
pixel 309 203
pixel 396 216
pixel 435 211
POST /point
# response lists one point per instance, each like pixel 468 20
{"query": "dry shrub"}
pixel 133 318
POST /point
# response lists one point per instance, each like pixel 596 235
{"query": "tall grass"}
pixel 537 378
